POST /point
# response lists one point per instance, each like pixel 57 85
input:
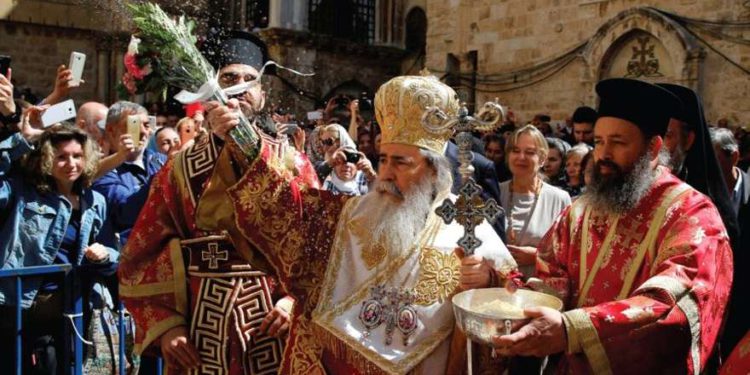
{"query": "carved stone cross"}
pixel 469 209
pixel 213 256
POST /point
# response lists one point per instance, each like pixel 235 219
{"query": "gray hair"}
pixel 580 149
pixel 117 110
pixel 439 163
pixel 723 139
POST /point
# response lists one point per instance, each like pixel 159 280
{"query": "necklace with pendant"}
pixel 393 306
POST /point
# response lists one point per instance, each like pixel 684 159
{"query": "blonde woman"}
pixel 50 216
pixel 530 204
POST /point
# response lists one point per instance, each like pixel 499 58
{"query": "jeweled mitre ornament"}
pixel 400 104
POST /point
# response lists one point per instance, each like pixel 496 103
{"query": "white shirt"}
pixel 531 220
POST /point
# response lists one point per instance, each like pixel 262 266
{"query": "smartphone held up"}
pixel 4 65
pixel 134 127
pixel 77 61
pixel 58 113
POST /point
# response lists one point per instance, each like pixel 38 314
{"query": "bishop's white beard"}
pixel 395 219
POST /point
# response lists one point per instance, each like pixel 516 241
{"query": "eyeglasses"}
pixel 327 142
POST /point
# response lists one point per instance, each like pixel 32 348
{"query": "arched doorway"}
pixel 642 43
pixel 415 40
pixel 638 54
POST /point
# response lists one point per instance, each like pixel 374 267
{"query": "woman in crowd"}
pixel 587 166
pixel 573 169
pixel 352 177
pixel 332 138
pixel 553 167
pixel 50 216
pixel 530 204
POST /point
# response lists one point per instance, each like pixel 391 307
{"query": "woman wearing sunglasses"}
pixel 332 138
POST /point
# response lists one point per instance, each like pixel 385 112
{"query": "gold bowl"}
pixel 480 316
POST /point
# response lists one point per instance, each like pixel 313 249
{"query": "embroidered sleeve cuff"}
pixel 574 346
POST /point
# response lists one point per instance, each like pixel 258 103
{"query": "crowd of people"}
pixel 190 221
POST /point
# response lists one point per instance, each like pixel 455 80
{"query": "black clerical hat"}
pixel 235 47
pixel 690 113
pixel 646 105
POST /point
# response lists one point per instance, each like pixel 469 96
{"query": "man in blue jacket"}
pixel 126 187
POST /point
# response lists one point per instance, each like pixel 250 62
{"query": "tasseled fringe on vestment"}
pixel 342 351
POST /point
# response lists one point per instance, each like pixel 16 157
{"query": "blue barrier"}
pixel 73 308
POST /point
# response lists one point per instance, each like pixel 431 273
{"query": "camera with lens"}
pixel 351 157
pixel 341 102
pixel 365 103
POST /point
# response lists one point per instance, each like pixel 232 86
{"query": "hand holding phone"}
pixel 314 115
pixel 290 128
pixel 4 65
pixel 59 112
pixel 77 61
pixel 134 127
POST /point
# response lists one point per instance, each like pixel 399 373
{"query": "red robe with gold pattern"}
pixel 162 279
pixel 645 290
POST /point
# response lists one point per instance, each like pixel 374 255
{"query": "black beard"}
pixel 620 191
pixel 677 160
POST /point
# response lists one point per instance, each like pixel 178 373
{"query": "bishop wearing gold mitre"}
pixel 372 275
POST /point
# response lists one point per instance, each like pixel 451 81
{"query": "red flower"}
pixel 132 67
pixel 129 83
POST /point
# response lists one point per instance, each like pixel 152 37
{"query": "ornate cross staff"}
pixel 469 209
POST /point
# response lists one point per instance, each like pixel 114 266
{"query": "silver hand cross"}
pixel 469 209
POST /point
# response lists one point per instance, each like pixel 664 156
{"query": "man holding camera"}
pixel 199 291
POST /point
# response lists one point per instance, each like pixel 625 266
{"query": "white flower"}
pixel 133 45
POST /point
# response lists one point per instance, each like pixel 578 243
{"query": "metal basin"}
pixel 481 326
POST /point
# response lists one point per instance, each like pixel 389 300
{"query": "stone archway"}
pixel 644 43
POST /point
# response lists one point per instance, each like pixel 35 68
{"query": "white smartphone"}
pixel 134 127
pixel 59 112
pixel 291 128
pixel 152 122
pixel 314 115
pixel 77 61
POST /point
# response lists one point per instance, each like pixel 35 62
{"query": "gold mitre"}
pixel 400 104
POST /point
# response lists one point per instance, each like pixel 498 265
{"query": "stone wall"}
pixel 522 36
pixel 38 50
pixel 333 61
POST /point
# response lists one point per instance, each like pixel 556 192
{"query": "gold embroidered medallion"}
pixel 438 276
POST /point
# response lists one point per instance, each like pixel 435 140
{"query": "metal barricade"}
pixel 73 309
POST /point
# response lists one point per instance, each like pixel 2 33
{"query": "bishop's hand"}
pixel 475 271
pixel 542 336
pixel 275 324
pixel 177 349
pixel 222 118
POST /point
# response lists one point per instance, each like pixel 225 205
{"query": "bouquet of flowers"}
pixel 137 78
pixel 163 52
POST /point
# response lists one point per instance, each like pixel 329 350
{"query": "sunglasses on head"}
pixel 327 141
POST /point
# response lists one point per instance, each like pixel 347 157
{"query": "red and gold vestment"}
pixel 186 264
pixel 645 291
